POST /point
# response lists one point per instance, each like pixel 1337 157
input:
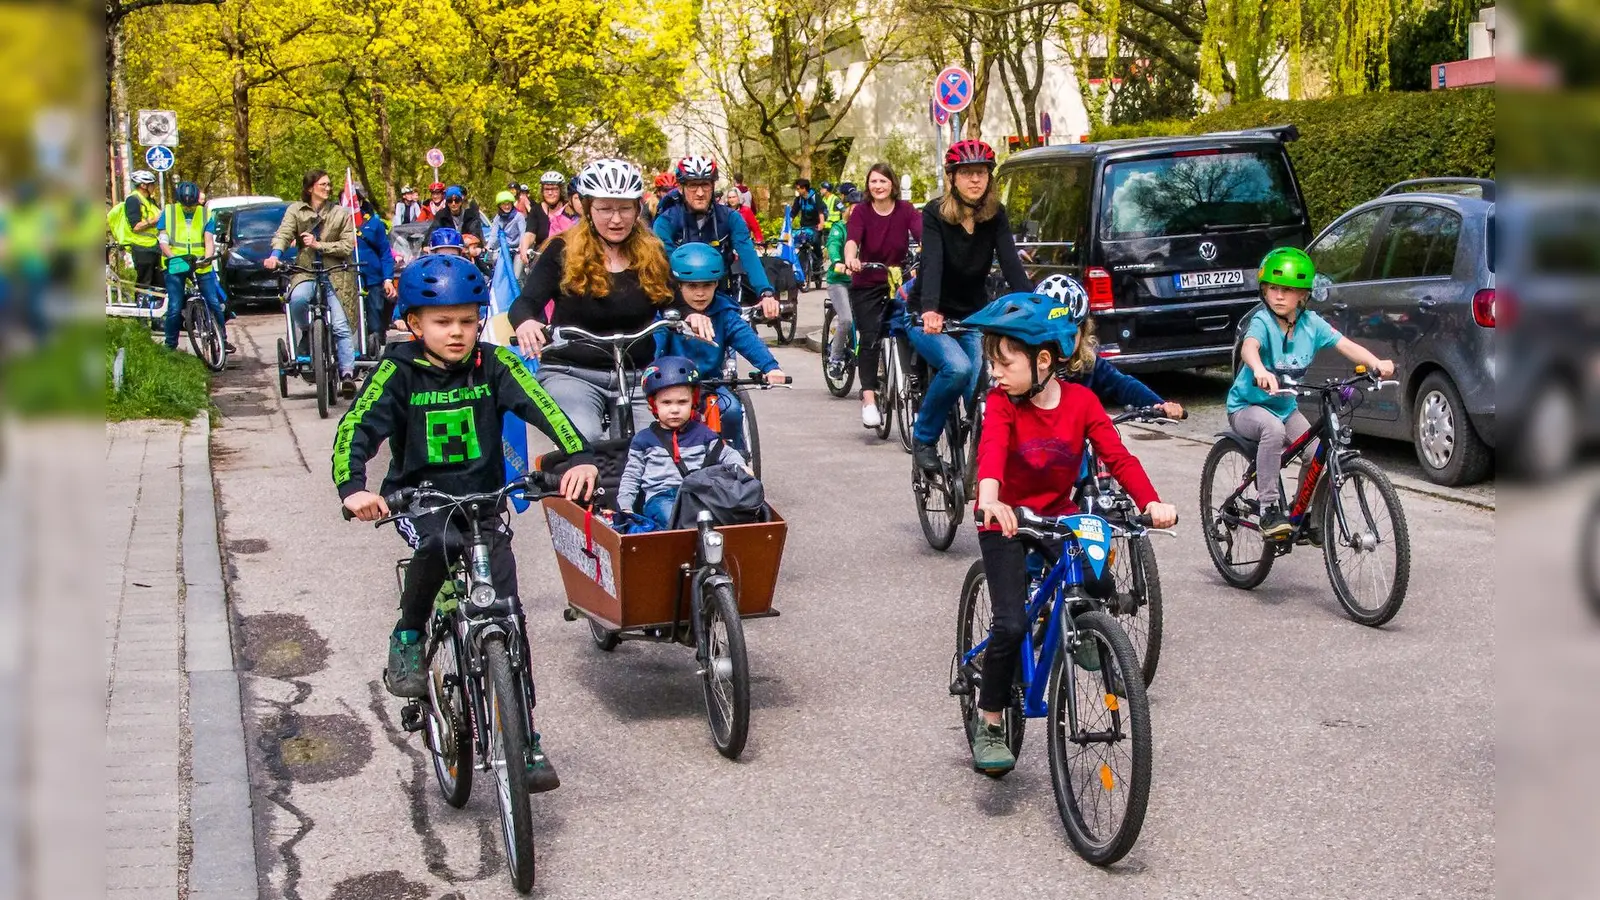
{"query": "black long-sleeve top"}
pixel 626 308
pixel 955 264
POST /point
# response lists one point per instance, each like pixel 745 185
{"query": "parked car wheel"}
pixel 1447 445
pixel 1549 437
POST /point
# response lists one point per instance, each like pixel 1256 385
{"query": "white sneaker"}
pixel 870 417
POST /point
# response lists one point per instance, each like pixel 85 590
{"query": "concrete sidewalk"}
pixel 178 819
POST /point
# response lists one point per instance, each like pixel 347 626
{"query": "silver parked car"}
pixel 1411 276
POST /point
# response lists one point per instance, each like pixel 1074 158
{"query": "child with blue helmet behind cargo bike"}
pixel 1282 335
pixel 676 444
pixel 1035 425
pixel 439 401
pixel 697 269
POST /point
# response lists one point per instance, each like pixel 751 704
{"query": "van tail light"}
pixel 1098 283
pixel 1483 307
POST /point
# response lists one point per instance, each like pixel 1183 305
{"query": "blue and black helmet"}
pixel 697 263
pixel 187 193
pixel 440 281
pixel 454 192
pixel 669 371
pixel 1035 320
pixel 444 237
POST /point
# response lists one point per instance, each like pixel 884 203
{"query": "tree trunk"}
pixel 118 118
pixel 391 189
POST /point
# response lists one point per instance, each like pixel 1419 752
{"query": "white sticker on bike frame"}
pixel 570 546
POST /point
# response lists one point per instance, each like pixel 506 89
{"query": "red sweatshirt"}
pixel 1036 454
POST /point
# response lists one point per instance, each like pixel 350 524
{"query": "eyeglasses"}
pixel 454 200
pixel 621 212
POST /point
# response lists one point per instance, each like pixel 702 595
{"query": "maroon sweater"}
pixel 882 239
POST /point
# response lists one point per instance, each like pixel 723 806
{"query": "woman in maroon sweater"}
pixel 880 231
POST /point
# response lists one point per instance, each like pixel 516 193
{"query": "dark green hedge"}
pixel 1351 148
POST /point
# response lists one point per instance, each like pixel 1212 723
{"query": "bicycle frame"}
pixel 316 311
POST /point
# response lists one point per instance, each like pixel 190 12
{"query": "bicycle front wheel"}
pixel 508 760
pixel 1137 605
pixel 839 387
pixel 974 621
pixel 205 336
pixel 1100 747
pixel 1241 556
pixel 449 722
pixel 751 435
pixel 725 671
pixel 1365 543
pixel 884 400
pixel 319 365
pixel 937 510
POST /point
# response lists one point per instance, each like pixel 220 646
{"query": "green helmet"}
pixel 504 197
pixel 1288 266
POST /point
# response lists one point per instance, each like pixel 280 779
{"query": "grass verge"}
pixel 157 383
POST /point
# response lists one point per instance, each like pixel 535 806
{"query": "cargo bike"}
pixel 691 586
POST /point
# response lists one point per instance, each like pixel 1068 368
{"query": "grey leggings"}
pixel 1271 435
pixel 839 294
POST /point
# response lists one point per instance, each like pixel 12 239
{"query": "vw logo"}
pixel 1208 251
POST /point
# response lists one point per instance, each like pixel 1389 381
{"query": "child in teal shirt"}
pixel 1284 335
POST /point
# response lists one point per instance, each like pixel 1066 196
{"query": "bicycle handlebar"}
pixel 1032 524
pixel 562 335
pixel 315 270
pixel 1295 388
pixel 406 501
pixel 756 380
pixel 1153 414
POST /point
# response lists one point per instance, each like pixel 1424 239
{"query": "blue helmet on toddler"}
pixel 669 371
pixel 444 237
pixel 1036 320
pixel 440 281
pixel 697 263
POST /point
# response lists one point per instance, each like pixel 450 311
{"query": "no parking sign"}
pixel 952 90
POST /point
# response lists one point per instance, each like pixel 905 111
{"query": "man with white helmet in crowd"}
pixel 700 219
pixel 143 214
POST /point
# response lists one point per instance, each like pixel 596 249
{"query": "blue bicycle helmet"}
pixel 669 371
pixel 697 263
pixel 187 193
pixel 444 237
pixel 1034 319
pixel 454 191
pixel 440 281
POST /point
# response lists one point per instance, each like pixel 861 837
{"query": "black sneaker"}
pixel 926 455
pixel 1274 526
pixel 541 772
pixel 347 386
pixel 835 369
pixel 404 676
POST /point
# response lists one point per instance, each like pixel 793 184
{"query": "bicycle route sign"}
pixel 952 91
pixel 159 158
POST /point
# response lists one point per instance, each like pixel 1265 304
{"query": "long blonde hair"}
pixel 584 261
pixel 951 209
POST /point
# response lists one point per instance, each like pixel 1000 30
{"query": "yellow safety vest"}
pixel 146 239
pixel 187 237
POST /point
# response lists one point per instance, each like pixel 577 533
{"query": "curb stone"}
pixel 223 864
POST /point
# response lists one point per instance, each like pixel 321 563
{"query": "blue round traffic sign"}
pixel 159 158
pixel 952 91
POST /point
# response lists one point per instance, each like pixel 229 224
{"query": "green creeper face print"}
pixel 452 436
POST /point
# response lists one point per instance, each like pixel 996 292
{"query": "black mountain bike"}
pixel 942 496
pixel 1345 505
pixel 206 337
pixel 316 360
pixel 480 691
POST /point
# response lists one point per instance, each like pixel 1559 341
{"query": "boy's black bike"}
pixel 480 691
pixel 1345 505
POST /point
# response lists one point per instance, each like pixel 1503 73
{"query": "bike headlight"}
pixel 711 547
pixel 482 596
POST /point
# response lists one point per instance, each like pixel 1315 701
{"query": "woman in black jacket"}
pixel 963 233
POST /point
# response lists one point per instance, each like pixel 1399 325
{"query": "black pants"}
pixel 147 272
pixel 437 542
pixel 867 306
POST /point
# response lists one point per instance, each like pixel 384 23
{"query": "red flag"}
pixel 348 200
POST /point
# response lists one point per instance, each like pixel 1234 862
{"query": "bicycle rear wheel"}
pixel 839 387
pixel 319 366
pixel 752 435
pixel 449 722
pixel 283 368
pixel 1137 605
pixel 907 417
pixel 884 400
pixel 1368 552
pixel 205 336
pixel 1241 556
pixel 1100 748
pixel 936 502
pixel 787 324
pixel 974 620
pixel 508 760
pixel 725 671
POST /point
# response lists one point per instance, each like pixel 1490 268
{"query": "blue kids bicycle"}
pixel 1079 672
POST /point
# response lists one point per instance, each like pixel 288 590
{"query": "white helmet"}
pixel 615 179
pixel 552 177
pixel 696 168
pixel 144 176
pixel 1066 290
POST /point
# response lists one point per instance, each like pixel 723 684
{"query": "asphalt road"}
pixel 1297 754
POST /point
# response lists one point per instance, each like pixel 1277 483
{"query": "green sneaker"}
pixel 444 602
pixel 541 772
pixel 990 754
pixel 405 676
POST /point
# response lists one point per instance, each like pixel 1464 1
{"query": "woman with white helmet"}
pixel 606 275
pixel 1109 383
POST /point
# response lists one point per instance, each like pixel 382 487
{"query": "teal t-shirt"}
pixel 1311 334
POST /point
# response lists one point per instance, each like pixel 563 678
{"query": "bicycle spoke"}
pixel 1102 770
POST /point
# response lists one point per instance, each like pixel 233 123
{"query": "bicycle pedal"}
pixel 411 718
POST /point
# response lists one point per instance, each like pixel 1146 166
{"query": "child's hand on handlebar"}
pixel 366 506
pixel 776 376
pixel 577 483
pixel 700 325
pixel 1385 368
pixel 531 337
pixel 1172 409
pixel 996 513
pixel 1266 380
pixel 1162 515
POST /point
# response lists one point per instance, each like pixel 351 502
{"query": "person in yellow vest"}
pixel 187 234
pixel 143 213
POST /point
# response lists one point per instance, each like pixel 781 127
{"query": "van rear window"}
pixel 1198 192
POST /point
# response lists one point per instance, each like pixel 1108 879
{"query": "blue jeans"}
pixel 373 294
pixel 956 362
pixel 300 313
pixel 210 291
pixel 658 507
pixel 732 420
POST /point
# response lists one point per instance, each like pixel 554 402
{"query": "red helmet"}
pixel 969 153
pixel 436 186
pixel 666 180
